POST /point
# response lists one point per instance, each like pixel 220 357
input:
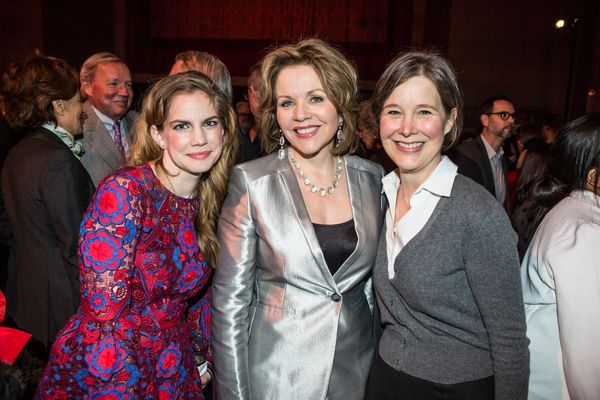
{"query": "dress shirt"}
pixel 108 124
pixel 422 203
pixel 496 164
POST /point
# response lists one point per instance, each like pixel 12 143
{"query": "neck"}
pixel 178 182
pixel 493 140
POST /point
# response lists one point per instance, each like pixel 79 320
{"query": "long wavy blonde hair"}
pixel 212 186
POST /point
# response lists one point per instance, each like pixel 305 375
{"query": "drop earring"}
pixel 281 154
pixel 340 134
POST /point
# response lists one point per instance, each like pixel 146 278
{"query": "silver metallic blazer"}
pixel 282 326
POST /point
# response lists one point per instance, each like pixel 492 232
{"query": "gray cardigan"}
pixel 454 310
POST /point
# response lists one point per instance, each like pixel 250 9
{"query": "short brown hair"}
pixel 438 70
pixel 339 80
pixel 30 87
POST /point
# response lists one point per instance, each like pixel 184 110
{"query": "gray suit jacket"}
pixel 477 166
pixel 101 156
pixel 282 326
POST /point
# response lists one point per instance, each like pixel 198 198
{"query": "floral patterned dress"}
pixel 135 335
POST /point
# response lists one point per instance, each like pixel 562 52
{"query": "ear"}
pixel 591 178
pixel 59 107
pixel 450 121
pixel 157 137
pixel 87 88
pixel 485 120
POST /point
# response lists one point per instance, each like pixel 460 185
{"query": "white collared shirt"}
pixel 422 203
pixel 497 170
pixel 108 124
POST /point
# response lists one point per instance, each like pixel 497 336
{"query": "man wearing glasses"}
pixel 483 159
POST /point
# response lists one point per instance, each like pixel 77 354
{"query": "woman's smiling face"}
pixel 413 125
pixel 307 118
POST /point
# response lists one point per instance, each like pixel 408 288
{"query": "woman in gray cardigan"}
pixel 447 271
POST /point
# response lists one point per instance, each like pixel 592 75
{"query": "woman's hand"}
pixel 205 378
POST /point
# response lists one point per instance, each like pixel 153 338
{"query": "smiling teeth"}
pixel 307 130
pixel 409 145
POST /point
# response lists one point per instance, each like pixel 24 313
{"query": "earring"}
pixel 281 154
pixel 340 134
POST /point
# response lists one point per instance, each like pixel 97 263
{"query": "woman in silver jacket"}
pixel 292 296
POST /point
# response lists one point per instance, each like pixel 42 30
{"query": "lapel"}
pixel 96 137
pixel 291 183
pixel 486 168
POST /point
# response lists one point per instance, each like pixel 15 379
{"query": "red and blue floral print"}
pixel 135 336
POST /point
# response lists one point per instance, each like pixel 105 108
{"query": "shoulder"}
pixel 361 164
pixel 131 116
pixel 133 179
pixel 261 167
pixel 474 201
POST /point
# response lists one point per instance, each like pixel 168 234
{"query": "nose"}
pixel 301 111
pixel 407 127
pixel 123 91
pixel 198 137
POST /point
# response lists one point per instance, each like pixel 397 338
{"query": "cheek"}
pixel 433 129
pixel 387 127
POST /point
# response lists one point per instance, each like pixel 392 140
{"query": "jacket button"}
pixel 336 297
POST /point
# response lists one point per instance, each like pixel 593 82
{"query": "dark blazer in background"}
pixel 473 162
pixel 101 156
pixel 46 191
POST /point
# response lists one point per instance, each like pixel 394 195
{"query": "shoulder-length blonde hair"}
pixel 212 186
pixel 339 80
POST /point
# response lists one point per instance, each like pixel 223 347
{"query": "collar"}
pixel 66 137
pixel 107 121
pixel 439 183
pixel 490 151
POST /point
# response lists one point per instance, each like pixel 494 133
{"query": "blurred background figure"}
pixel 561 269
pixel 368 132
pixel 244 116
pixel 46 190
pixel 108 127
pixel 255 88
pixel 551 124
pixel 526 135
pixel 535 168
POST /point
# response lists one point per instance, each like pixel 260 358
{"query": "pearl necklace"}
pixel 322 191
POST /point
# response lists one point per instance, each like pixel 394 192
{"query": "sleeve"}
pixel 233 290
pixel 65 192
pixel 492 267
pixel 109 236
pixel 574 264
pixel 198 321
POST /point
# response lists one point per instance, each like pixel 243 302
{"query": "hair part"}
pixel 30 87
pixel 209 65
pixel 337 76
pixel 212 186
pixel 433 66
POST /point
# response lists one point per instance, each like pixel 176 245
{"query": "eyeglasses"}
pixel 505 115
pixel 244 115
pixel 246 96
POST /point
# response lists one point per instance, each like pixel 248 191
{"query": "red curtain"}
pixel 349 21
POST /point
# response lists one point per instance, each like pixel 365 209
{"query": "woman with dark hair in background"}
pixel 147 244
pixel 447 271
pixel 561 269
pixel 534 169
pixel 46 191
pixel 292 297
